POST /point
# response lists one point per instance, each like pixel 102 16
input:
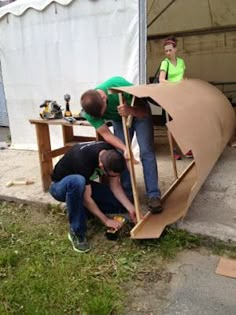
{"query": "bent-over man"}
pixel 100 106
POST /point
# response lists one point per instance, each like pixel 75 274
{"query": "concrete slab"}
pixel 186 285
pixel 213 211
pixel 195 288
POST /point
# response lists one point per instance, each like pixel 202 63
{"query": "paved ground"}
pixel 213 211
pixel 196 289
pixel 186 286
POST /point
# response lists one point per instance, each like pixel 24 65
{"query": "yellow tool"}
pixel 113 234
pixel 45 112
pixel 51 110
pixel 67 113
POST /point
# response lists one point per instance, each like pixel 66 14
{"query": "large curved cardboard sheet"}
pixel 202 121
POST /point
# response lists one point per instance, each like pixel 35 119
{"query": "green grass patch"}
pixel 41 274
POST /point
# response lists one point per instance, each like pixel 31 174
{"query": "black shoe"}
pixel 79 243
pixel 154 205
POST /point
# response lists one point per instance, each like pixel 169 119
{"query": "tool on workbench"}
pixel 45 112
pixel 67 113
pixel 70 119
pixel 51 110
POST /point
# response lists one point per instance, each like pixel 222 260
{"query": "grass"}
pixel 41 274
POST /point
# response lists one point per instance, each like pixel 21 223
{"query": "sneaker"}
pixel 79 243
pixel 154 205
pixel 177 157
pixel 189 154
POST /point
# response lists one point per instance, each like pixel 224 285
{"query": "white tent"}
pixel 50 48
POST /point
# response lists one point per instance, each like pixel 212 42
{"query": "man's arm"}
pixel 138 110
pixel 118 192
pixel 91 205
pixel 110 138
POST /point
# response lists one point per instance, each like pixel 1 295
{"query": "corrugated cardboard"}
pixel 202 121
pixel 226 267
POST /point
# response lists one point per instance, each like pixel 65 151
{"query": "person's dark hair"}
pixel 170 40
pixel 92 103
pixel 113 161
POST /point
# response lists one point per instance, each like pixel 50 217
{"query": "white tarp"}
pixel 63 49
pixel 19 7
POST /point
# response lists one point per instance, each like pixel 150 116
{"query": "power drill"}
pixel 67 111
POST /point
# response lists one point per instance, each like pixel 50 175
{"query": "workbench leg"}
pixel 68 134
pixel 44 146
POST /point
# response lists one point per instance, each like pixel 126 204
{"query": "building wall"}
pixel 210 57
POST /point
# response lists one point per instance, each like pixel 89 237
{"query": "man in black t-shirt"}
pixel 72 183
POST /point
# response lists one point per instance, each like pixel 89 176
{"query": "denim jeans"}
pixel 71 190
pixel 145 137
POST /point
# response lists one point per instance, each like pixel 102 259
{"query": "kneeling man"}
pixel 73 184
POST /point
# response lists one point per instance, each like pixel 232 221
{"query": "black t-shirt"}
pixel 80 159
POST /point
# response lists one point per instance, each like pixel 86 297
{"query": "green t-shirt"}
pixel 111 112
pixel 175 73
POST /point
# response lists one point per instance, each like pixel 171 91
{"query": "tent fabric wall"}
pixel 18 8
pixel 63 49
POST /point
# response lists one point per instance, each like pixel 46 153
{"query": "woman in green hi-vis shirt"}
pixel 172 69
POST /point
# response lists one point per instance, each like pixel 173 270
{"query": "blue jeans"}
pixel 71 190
pixel 145 137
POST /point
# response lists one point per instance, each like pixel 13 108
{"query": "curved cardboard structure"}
pixel 202 121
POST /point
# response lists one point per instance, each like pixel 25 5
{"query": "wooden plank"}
pixel 60 122
pixel 170 139
pixel 63 150
pixel 54 153
pixel 131 166
pixel 130 118
pixel 78 139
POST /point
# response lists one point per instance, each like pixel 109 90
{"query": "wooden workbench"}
pixel 46 154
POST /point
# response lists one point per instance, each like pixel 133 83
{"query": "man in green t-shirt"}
pixel 100 106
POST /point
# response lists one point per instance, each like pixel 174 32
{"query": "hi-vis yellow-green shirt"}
pixel 175 73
